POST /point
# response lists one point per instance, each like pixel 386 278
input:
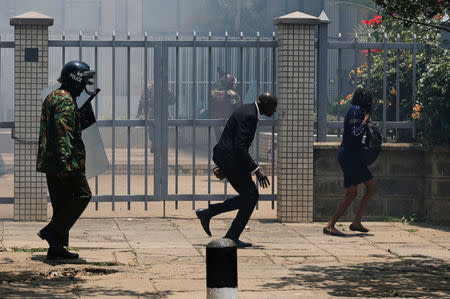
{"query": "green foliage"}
pixel 404 219
pixel 431 109
pixel 392 219
pixel 434 97
pixel 414 11
pixel 408 219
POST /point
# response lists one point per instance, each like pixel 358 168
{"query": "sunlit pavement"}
pixel 139 256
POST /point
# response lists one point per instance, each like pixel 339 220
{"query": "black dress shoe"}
pixel 240 244
pixel 60 254
pixel 205 216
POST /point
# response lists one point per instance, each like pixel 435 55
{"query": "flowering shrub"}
pixel 431 111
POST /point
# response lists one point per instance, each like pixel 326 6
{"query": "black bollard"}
pixel 221 269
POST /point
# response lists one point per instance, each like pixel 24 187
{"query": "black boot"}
pixel 60 253
pixel 50 236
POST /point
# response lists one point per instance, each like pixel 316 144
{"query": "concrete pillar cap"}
pixel 297 18
pixel 324 18
pixel 221 243
pixel 31 18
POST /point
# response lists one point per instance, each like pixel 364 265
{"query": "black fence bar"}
pixel 128 117
pixel 146 124
pixel 113 149
pixel 194 109
pixel 96 105
pixel 177 104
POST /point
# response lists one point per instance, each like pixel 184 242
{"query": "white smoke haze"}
pixel 161 19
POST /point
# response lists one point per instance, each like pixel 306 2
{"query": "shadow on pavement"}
pixel 64 282
pixel 441 226
pixel 414 276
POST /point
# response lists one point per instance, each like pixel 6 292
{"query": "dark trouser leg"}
pixel 245 202
pixel 74 195
pixel 230 204
pixel 57 199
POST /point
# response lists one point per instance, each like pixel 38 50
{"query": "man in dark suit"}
pixel 232 157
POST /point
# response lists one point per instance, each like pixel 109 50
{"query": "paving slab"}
pixel 153 257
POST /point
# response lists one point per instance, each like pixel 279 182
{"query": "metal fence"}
pixel 178 166
pixel 175 165
pixel 395 121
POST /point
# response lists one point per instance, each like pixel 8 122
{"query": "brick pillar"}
pixel 295 75
pixel 31 76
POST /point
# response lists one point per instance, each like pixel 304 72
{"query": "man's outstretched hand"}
pixel 262 179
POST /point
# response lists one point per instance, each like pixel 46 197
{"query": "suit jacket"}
pixel 236 139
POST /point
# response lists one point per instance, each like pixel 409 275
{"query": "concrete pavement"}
pixel 152 257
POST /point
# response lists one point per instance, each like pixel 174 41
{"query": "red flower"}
pixel 375 21
pixel 371 51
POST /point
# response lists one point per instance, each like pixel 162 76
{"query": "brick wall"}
pixel 409 180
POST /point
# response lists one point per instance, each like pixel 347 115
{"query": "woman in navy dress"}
pixel 350 160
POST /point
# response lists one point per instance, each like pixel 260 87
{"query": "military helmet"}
pixel 78 75
pixel 228 80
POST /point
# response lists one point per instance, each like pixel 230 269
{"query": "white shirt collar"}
pixel 257 109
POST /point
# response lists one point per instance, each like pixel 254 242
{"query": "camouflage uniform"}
pixel 60 144
pixel 223 102
pixel 61 149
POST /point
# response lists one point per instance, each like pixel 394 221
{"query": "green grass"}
pixel 411 230
pixel 392 219
pixel 404 219
pixel 72 249
pixel 40 249
pixel 106 264
pixel 25 249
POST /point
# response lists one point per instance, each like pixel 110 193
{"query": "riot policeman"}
pixel 61 156
pixel 224 99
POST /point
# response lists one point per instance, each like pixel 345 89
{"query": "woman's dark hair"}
pixel 363 98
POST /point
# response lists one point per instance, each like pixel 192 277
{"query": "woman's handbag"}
pixel 372 145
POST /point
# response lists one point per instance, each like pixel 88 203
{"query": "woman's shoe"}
pixel 334 232
pixel 358 228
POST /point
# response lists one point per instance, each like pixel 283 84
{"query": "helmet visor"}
pixel 89 82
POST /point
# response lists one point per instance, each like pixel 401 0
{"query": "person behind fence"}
pixel 61 156
pixel 236 165
pixel 148 96
pixel 352 163
pixel 224 99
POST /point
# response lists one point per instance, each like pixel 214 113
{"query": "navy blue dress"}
pixel 349 156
